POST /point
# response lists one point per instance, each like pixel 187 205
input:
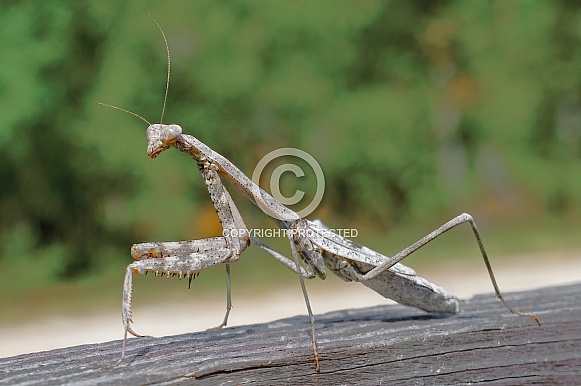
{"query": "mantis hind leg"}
pixel 458 220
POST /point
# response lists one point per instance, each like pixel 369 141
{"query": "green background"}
pixel 415 110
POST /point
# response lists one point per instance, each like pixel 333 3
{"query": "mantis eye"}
pixel 152 132
pixel 171 132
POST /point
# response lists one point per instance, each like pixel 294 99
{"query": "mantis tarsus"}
pixel 311 242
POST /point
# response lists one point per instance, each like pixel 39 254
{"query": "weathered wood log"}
pixel 379 345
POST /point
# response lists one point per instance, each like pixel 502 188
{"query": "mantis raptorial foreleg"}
pixel 188 258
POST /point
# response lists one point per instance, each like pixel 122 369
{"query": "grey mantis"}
pixel 318 247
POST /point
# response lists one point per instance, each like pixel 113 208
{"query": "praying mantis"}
pixel 311 242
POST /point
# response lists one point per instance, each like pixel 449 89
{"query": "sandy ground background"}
pixel 513 274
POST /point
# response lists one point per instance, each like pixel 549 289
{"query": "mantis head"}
pixel 161 137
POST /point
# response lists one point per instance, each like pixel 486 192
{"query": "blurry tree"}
pixel 411 108
pixel 53 186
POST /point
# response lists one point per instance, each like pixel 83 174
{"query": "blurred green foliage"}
pixel 414 109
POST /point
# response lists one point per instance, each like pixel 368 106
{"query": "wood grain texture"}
pixel 392 344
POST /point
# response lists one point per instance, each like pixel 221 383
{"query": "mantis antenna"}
pixel 166 83
pixel 168 66
pixel 127 111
